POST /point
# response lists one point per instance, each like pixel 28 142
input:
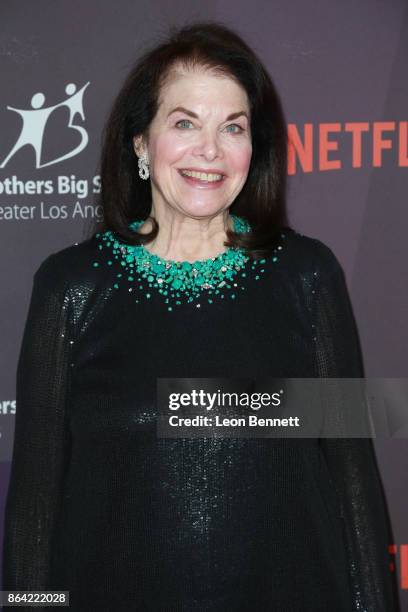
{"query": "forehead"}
pixel 201 88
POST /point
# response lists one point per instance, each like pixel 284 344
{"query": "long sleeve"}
pixel 351 461
pixel 41 439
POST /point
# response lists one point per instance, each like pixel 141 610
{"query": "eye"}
pixel 236 125
pixel 183 121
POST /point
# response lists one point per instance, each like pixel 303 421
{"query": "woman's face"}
pixel 202 125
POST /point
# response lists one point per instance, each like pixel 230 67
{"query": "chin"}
pixel 202 210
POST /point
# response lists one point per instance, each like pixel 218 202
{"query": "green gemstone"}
pixel 177 283
pixel 158 267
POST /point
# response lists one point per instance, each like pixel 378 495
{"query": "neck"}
pixel 183 238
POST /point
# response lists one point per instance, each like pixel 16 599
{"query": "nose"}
pixel 207 145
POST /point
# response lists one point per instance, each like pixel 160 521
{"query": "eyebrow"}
pixel 191 114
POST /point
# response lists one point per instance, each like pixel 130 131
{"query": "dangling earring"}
pixel 143 166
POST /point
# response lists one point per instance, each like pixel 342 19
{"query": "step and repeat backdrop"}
pixel 341 70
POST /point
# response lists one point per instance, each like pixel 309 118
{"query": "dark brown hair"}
pixel 211 45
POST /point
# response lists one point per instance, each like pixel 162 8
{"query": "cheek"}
pixel 166 150
pixel 240 159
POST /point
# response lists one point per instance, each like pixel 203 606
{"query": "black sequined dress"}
pixel 100 506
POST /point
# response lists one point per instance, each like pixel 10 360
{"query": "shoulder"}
pixel 310 255
pixel 67 267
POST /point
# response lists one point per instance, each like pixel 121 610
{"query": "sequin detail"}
pixel 182 281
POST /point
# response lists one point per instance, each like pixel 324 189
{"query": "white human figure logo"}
pixel 35 120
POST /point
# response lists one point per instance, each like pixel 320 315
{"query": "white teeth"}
pixel 202 175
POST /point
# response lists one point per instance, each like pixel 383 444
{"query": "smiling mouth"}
pixel 202 177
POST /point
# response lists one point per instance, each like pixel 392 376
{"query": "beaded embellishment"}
pixel 178 281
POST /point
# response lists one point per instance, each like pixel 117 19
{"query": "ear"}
pixel 138 145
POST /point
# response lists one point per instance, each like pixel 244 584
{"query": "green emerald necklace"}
pixel 181 281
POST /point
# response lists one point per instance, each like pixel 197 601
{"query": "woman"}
pixel 195 273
